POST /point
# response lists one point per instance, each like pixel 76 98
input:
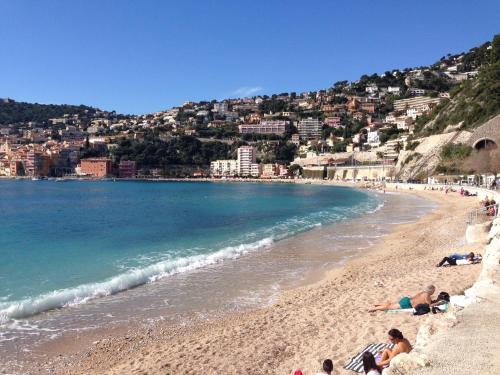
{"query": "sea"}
pixel 81 255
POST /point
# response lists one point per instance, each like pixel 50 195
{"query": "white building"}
pixel 372 138
pixel 413 113
pixel 416 91
pixel 371 88
pixel 403 122
pixel 264 127
pixel 246 157
pixel 309 128
pixel 421 103
pixel 396 90
pixel 255 170
pixel 221 107
pixel 221 168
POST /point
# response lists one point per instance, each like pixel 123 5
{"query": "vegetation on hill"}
pixel 12 112
pixel 474 101
pixel 185 150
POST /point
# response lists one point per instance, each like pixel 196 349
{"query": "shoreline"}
pixel 276 251
pixel 103 362
pixel 259 244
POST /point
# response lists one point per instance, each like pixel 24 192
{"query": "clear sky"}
pixel 143 56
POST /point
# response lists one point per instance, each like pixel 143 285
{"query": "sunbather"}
pixel 459 259
pixel 401 345
pixel 423 297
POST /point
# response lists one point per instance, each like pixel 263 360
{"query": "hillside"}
pixel 406 117
pixel 12 112
pixel 473 102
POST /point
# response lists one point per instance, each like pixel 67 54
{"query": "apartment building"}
pixel 264 127
pixel 96 167
pixel 127 169
pixel 224 168
pixel 309 128
pixel 246 157
pixel 37 164
pixel 420 103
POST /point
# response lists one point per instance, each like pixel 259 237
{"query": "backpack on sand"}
pixel 422 309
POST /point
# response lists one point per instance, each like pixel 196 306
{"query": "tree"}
pixel 296 170
pixel 285 152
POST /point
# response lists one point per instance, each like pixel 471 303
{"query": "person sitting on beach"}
pixel 485 202
pixel 491 210
pixel 327 367
pixel 423 297
pixel 401 345
pixel 459 259
pixel 370 365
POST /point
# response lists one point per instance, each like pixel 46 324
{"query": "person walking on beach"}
pixel 423 297
pixel 401 345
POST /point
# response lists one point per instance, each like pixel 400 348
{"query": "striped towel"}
pixel 356 362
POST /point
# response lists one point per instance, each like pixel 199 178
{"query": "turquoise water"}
pixel 63 243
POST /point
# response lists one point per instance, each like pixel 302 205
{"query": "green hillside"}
pixel 473 102
pixel 12 112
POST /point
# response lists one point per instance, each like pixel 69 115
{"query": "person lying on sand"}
pixel 407 302
pixel 401 345
pixel 460 259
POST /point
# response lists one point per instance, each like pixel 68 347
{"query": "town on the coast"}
pixel 411 125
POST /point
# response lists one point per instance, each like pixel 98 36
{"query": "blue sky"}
pixel 143 56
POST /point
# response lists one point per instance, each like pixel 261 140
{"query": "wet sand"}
pixel 327 319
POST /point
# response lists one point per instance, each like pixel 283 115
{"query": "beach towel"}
pixel 412 310
pixel 356 362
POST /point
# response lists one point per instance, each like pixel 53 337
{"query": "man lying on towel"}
pixel 408 302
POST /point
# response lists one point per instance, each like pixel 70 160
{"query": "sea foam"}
pixel 127 280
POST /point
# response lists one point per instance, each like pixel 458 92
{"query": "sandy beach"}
pixel 327 319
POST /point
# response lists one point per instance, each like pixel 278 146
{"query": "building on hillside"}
pixel 392 148
pixel 71 134
pixel 37 164
pixel 416 91
pixel 254 118
pixel 264 127
pixel 372 138
pixel 96 167
pixel 255 170
pixel 421 103
pixel 333 122
pixel 296 139
pixel 371 88
pixel 403 122
pixel 368 107
pixel 127 169
pixel 221 107
pixel 224 168
pixel 246 157
pixel 396 90
pixel 270 170
pixel 309 128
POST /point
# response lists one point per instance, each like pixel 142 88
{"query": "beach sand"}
pixel 327 319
